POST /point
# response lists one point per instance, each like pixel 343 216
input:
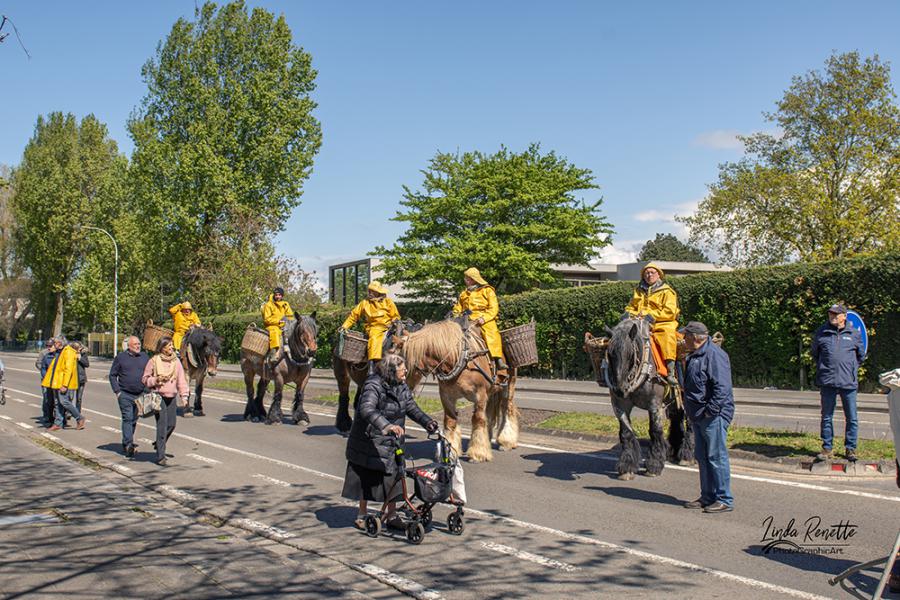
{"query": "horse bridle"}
pixel 639 376
pixel 304 353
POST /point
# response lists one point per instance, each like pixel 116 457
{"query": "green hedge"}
pixel 767 315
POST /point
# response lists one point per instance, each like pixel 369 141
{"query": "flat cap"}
pixel 695 328
pixel 838 309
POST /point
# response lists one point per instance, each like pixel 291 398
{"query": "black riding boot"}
pixel 672 377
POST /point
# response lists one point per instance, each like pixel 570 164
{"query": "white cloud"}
pixel 719 139
pixel 623 251
pixel 666 214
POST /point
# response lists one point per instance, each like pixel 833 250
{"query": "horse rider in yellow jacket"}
pixel 655 301
pixel 481 300
pixel 275 313
pixel 377 312
pixel 183 317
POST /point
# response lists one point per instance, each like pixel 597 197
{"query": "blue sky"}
pixel 646 95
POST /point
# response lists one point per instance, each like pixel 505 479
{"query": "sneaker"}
pixel 850 454
pixel 825 454
pixel 718 507
pixel 696 504
pixel 129 451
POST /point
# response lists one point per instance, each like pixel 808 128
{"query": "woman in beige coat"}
pixel 165 376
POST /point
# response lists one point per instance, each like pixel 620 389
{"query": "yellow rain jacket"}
pixel 272 314
pixel 63 371
pixel 182 323
pixel 377 315
pixel 661 302
pixel 482 301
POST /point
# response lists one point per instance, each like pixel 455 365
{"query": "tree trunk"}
pixel 58 319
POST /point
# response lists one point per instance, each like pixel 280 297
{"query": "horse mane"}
pixel 624 353
pixel 441 341
pixel 201 336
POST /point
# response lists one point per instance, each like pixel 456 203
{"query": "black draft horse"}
pixel 199 357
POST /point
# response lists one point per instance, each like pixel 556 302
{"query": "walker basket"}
pixel 353 347
pixel 519 345
pixel 152 335
pixel 433 483
pixel 255 340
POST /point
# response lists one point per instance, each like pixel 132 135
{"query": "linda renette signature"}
pixel 812 531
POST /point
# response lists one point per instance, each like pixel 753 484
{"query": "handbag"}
pixel 148 404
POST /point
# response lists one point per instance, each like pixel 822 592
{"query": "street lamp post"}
pixel 115 288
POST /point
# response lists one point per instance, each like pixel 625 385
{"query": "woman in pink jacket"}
pixel 165 375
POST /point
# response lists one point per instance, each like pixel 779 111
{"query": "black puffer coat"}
pixel 380 405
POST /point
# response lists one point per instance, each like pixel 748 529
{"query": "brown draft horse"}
pixel 301 339
pixel 455 353
pixel 200 357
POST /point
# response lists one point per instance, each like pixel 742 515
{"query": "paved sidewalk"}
pixel 66 529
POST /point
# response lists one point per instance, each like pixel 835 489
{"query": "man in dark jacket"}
pixel 43 362
pixel 838 351
pixel 125 377
pixel 709 403
pixel 84 361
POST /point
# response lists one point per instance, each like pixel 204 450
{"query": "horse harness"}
pixel 466 355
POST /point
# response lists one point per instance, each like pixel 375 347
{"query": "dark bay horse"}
pixel 630 374
pixel 200 357
pixel 293 368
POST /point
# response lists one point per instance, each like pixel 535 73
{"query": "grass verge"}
pixel 774 443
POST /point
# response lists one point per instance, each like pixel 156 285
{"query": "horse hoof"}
pixel 626 476
pixel 686 463
pixel 649 474
pixel 254 419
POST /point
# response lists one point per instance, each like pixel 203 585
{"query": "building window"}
pixel 348 282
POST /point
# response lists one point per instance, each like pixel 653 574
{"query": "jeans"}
pixel 65 404
pixel 711 452
pixel 79 396
pixel 165 425
pixel 129 417
pixel 848 403
pixel 48 405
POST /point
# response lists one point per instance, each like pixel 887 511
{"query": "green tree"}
pixel 827 188
pixel 71 174
pixel 666 246
pixel 511 215
pixel 225 132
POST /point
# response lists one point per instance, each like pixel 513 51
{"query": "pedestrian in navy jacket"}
pixel 709 404
pixel 126 379
pixel 838 351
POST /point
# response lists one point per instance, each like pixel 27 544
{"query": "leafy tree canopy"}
pixel 828 187
pixel 666 246
pixel 510 214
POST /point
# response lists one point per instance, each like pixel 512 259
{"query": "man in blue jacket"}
pixel 838 351
pixel 709 404
pixel 43 362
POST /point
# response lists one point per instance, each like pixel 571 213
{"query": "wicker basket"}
pixel 256 340
pixel 354 347
pixel 519 345
pixel 152 335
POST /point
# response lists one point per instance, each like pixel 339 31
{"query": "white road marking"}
pixel 272 480
pixel 19 400
pixel 6 417
pixel 24 425
pixel 762 585
pixel 174 492
pixel 50 436
pixel 33 405
pixel 407 586
pixel 147 440
pixel 267 530
pixel 535 558
pixel 211 461
pixel 81 451
pixel 112 429
pixel 121 468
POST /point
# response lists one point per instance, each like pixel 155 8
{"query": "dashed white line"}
pixel 34 405
pixel 272 480
pixel 112 429
pixel 204 459
pixel 121 468
pixel 535 558
pixel 267 530
pixel 407 586
pixel 19 400
pixel 24 425
pixel 50 436
pixel 6 417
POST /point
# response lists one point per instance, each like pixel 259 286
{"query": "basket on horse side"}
pixel 152 335
pixel 520 345
pixel 255 340
pixel 353 347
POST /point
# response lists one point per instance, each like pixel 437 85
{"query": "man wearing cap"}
pixel 656 302
pixel 183 317
pixel 838 351
pixel 275 313
pixel 709 404
pixel 481 300
pixel 377 312
pixel 62 379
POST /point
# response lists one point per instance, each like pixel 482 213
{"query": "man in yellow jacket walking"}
pixel 183 318
pixel 655 301
pixel 481 300
pixel 62 379
pixel 275 313
pixel 377 312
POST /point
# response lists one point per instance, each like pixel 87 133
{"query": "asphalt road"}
pixel 548 519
